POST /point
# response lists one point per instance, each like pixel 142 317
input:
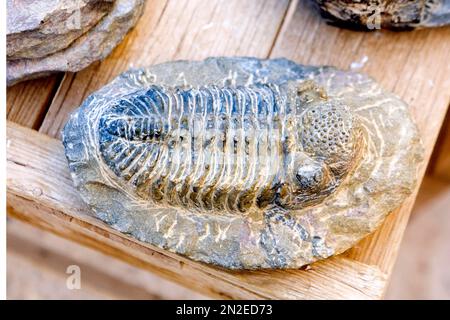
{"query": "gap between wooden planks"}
pixel 40 192
pixel 27 102
pixel 414 65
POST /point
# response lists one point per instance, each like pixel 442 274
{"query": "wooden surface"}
pixel 40 191
pixel 37 262
pixel 27 102
pixel 414 65
pixel 422 269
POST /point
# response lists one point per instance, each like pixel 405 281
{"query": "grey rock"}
pixel 377 14
pixel 38 28
pixel 36 49
pixel 241 162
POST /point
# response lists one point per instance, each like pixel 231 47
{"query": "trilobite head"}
pixel 330 141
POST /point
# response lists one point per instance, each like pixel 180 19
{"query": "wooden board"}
pixel 40 191
pixel 414 65
pixel 416 275
pixel 37 262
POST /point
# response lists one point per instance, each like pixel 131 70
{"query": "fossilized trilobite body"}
pixel 241 162
pixel 228 148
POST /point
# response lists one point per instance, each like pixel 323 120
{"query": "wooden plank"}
pixel 28 101
pixel 171 30
pixel 28 279
pixel 425 276
pixel 95 283
pixel 40 192
pixel 37 263
pixel 414 65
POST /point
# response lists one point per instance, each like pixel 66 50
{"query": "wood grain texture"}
pixel 173 30
pixel 40 192
pixel 37 261
pixel 49 264
pixel 413 65
pixel 425 276
pixel 27 102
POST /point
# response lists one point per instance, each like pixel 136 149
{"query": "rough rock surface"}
pixel 241 162
pixel 396 15
pixel 39 28
pixel 50 36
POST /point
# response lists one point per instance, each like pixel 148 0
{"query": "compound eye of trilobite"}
pixel 332 133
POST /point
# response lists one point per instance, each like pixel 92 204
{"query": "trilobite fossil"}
pixel 241 162
pixel 389 14
pixel 228 148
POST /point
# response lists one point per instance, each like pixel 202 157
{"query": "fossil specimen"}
pixel 241 162
pixel 376 14
pixel 59 35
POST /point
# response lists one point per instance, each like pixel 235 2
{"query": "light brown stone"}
pixel 52 36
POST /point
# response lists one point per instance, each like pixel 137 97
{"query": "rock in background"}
pixel 386 14
pixel 60 35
